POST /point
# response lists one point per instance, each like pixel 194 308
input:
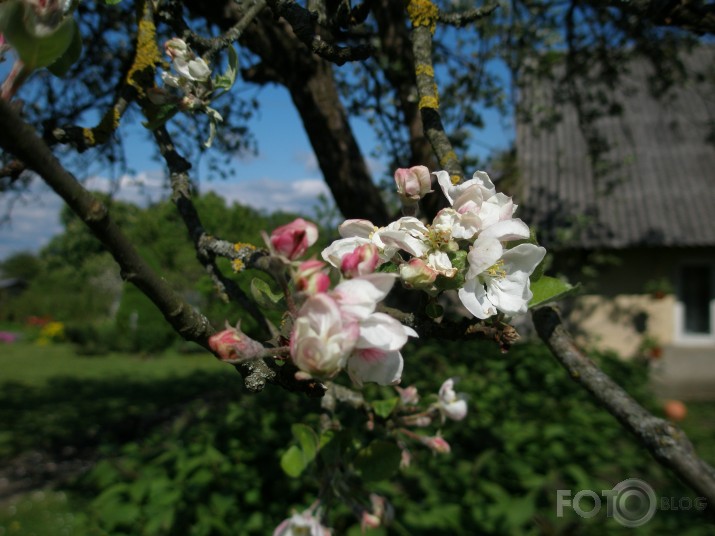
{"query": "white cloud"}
pixel 298 196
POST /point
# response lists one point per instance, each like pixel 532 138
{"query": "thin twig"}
pixel 463 18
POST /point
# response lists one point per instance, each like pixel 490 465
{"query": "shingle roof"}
pixel 662 190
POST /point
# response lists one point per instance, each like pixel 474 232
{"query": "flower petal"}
pixel 474 297
pixel 383 368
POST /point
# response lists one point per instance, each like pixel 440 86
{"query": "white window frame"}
pixel 681 336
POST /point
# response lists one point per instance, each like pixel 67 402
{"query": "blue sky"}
pixel 283 175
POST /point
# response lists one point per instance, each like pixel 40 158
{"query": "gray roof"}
pixel 659 189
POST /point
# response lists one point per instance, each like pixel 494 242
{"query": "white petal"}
pixel 507 230
pixel 483 179
pixel 383 368
pixel 484 254
pixel 361 228
pixel 335 252
pixel 510 294
pixel 358 297
pixel 523 258
pixel 383 332
pixel 403 240
pixel 474 297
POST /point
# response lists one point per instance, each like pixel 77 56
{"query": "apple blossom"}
pixel 322 338
pixel 294 238
pixel 234 346
pixel 413 183
pixel 451 405
pixel 305 524
pixel 310 277
pixel 408 395
pixel 361 261
pixel 498 279
pixel 416 273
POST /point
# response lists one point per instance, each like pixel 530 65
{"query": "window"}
pixel 696 303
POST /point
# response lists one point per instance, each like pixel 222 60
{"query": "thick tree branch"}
pixel 20 139
pixel 667 443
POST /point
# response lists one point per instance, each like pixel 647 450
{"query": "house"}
pixel 639 215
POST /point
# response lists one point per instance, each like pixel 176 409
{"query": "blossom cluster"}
pixel 340 329
pixel 336 325
pixel 476 228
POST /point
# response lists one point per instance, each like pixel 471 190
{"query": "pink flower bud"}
pixel 417 274
pixel 293 239
pixel 311 278
pixel 437 444
pixel 362 261
pixel 176 48
pixel 413 183
pixel 233 346
pixel 408 395
pixel 369 521
pixel 405 459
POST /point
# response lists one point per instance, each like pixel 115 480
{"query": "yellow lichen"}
pixel 446 159
pixel 455 179
pixel 429 101
pixel 141 73
pixel 424 69
pixel 238 246
pixel 88 135
pixel 423 13
pixel 237 265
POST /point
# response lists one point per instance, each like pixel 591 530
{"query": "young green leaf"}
pixel 383 408
pixel 550 289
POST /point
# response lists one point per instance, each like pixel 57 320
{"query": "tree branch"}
pixel 20 139
pixel 204 244
pixel 695 16
pixel 666 442
pixel 302 21
pixel 463 18
pixel 423 15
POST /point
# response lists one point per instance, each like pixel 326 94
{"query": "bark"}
pixel 309 79
pixel 665 441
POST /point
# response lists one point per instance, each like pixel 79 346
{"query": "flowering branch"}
pixel 666 442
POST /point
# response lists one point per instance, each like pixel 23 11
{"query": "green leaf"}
pixel 293 462
pixel 378 461
pixel 550 289
pixel 263 295
pixel 307 439
pixel 388 267
pixel 296 458
pixel 112 2
pixel 458 259
pixel 383 408
pixel 34 51
pixel 70 56
pixel 227 79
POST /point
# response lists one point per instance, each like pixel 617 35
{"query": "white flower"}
pixel 450 405
pixel 305 524
pixel 498 279
pixel 322 338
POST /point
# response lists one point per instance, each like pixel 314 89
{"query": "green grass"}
pixel 34 365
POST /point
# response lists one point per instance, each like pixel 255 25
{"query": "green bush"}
pixel 530 431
